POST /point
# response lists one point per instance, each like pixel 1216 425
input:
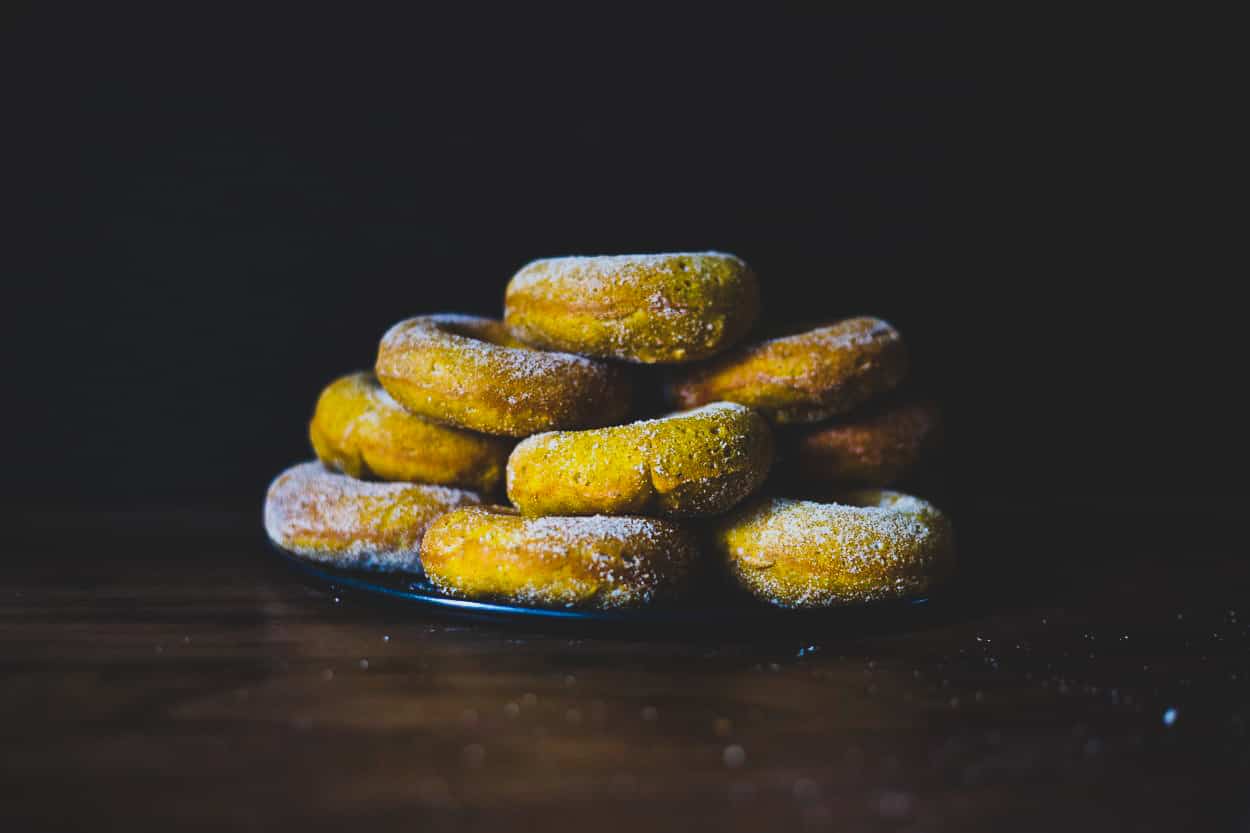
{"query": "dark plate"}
pixel 718 607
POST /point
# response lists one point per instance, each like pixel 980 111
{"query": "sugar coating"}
pixel 874 545
pixel 470 372
pixel 676 307
pixel 698 462
pixel 493 553
pixel 359 429
pixel 330 517
pixel 801 378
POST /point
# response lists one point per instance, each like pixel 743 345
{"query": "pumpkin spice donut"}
pixel 360 430
pixel 875 449
pixel 329 517
pixel 469 372
pixel 492 553
pixel 875 545
pixel 688 464
pixel 806 377
pixel 634 308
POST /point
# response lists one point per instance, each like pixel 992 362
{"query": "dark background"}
pixel 215 215
pixel 210 215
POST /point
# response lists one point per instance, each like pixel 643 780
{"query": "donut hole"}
pixel 491 332
pixel 495 509
pixel 867 499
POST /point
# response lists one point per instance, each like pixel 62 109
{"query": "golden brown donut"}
pixel 469 372
pixel 635 308
pixel 875 449
pixel 801 378
pixel 875 545
pixel 358 524
pixel 492 553
pixel 359 429
pixel 693 463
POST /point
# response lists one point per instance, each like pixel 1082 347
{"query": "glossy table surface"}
pixel 159 671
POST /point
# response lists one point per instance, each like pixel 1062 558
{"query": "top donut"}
pixel 648 309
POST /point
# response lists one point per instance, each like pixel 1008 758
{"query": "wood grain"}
pixel 159 672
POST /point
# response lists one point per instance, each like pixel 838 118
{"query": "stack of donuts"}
pixel 605 508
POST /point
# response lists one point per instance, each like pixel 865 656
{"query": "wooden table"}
pixel 159 672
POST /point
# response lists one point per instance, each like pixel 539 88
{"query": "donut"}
pixel 875 545
pixel 634 308
pixel 806 377
pixel 470 373
pixel 492 553
pixel 332 518
pixel 875 449
pixel 698 462
pixel 360 430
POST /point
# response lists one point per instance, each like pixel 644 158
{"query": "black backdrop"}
pixel 216 215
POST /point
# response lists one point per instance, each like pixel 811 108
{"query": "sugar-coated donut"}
pixel 492 553
pixel 799 554
pixel 330 517
pixel 359 429
pixel 698 462
pixel 469 372
pixel 635 308
pixel 801 378
pixel 874 449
